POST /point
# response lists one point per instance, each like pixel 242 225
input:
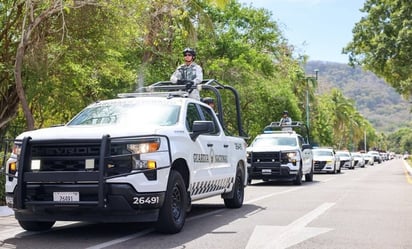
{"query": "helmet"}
pixel 190 51
pixel 286 112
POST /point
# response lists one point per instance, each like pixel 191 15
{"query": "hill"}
pixel 378 102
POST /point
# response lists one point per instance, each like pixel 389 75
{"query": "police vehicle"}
pixel 142 157
pixel 280 153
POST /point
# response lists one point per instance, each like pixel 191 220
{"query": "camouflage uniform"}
pixel 189 72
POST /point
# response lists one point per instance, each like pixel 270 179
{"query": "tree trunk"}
pixel 19 86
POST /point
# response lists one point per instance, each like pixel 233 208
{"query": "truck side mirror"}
pixel 201 127
pixel 306 146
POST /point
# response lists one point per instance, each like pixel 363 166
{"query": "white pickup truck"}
pixel 280 153
pixel 143 157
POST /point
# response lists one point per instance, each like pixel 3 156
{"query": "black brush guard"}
pixel 98 176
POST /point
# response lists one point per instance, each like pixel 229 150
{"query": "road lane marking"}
pixel 280 237
pixel 122 239
pixel 146 231
pixel 271 195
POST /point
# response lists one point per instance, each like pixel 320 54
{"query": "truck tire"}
pixel 309 176
pixel 298 180
pixel 172 214
pixel 249 181
pixel 36 225
pixel 238 193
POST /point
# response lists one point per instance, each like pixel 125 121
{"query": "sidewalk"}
pixel 5 211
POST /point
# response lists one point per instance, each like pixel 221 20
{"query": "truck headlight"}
pixel 292 157
pixel 145 147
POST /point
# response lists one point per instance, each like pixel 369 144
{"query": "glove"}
pixel 189 84
pixel 181 82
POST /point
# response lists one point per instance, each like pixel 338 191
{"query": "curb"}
pixel 407 167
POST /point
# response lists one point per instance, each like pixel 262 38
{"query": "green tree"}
pixel 323 120
pixel 382 42
pixel 77 54
pixel 10 19
pixel 400 140
pixel 249 52
pixel 34 14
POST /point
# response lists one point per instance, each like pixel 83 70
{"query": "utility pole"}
pixel 309 78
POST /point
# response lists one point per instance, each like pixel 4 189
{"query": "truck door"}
pixel 218 146
pixel 306 156
pixel 199 151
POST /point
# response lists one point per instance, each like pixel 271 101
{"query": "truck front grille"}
pixel 81 157
pixel 269 157
pixel 319 165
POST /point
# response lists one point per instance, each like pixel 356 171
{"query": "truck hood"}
pixel 87 132
pixel 271 148
pixel 322 158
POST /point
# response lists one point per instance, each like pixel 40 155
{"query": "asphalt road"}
pixel 363 208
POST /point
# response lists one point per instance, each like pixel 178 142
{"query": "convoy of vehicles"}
pixel 143 157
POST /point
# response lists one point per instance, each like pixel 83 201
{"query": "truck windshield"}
pixel 121 113
pixel 322 153
pixel 274 141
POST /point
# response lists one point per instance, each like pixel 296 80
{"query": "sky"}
pixel 317 28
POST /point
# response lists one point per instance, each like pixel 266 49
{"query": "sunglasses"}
pixel 188 54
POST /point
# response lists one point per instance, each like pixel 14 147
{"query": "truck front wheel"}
pixel 298 179
pixel 172 214
pixel 309 176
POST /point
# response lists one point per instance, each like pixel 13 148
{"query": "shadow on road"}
pixel 202 220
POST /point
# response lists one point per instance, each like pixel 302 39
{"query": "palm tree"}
pixel 343 110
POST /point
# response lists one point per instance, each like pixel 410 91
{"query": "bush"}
pixel 2 190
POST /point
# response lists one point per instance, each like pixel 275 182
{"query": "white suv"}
pixel 140 158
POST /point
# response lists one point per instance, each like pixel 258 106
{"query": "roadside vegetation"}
pixel 58 56
pixel 77 53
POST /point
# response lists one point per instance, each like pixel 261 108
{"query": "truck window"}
pixel 207 113
pixel 191 115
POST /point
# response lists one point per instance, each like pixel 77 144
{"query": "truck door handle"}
pixel 209 145
pixel 226 145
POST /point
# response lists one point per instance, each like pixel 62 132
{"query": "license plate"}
pixel 66 196
pixel 266 171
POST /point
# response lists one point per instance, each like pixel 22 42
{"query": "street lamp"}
pixel 309 78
